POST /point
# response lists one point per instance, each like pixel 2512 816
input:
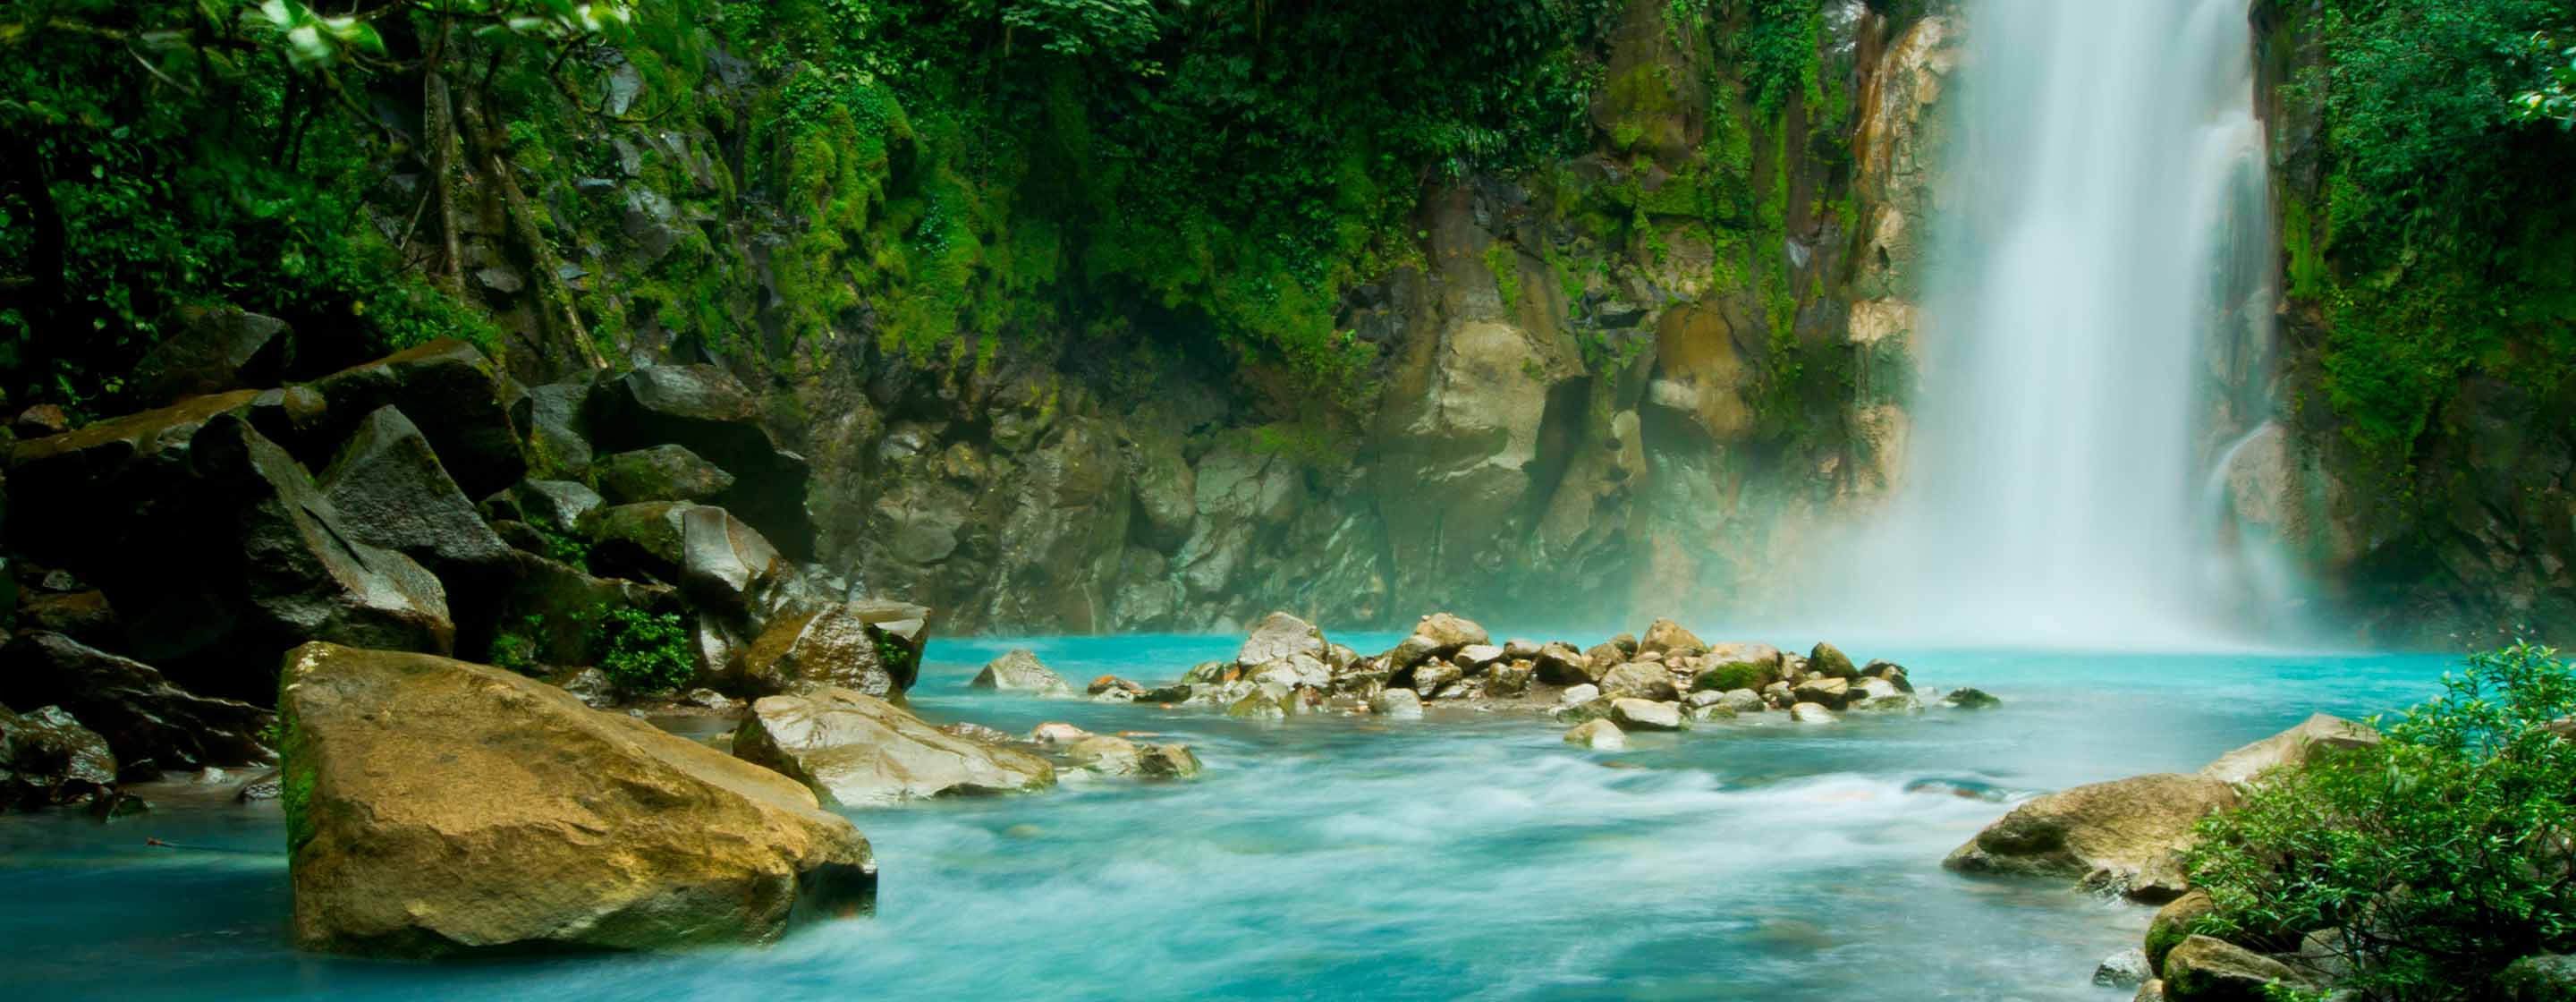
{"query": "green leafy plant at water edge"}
pixel 2441 855
pixel 516 650
pixel 643 651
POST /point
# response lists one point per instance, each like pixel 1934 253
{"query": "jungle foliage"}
pixel 2443 241
pixel 2431 860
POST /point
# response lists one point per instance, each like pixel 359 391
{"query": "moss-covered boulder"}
pixel 438 808
pixel 2204 969
pixel 660 473
pixel 855 750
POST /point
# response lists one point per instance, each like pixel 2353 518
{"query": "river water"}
pixel 1474 856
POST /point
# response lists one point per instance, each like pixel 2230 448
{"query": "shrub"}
pixel 2443 854
pixel 643 651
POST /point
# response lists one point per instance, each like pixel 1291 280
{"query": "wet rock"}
pixel 85 616
pixel 705 410
pixel 454 393
pixel 855 750
pixel 150 724
pixel 1812 713
pixel 2125 969
pixel 1579 694
pixel 433 794
pixel 1167 761
pixel 2153 990
pixel 2105 834
pixel 1402 704
pixel 1668 638
pixel 1105 755
pixel 1829 661
pixel 209 350
pixel 1826 691
pixel 556 422
pixel 1506 681
pixel 591 686
pixel 1475 658
pixel 709 699
pixel 977 733
pixel 1106 684
pixel 1889 672
pixel 2204 969
pixel 1964 698
pixel 1640 680
pixel 1435 677
pixel 725 564
pixel 660 473
pixel 1742 700
pixel 871 646
pixel 559 505
pixel 1898 703
pixel 1259 704
pixel 40 421
pixel 116 804
pixel 1296 671
pixel 1598 735
pixel 1057 733
pixel 1437 635
pixel 391 491
pixel 1643 715
pixel 2320 734
pixel 1561 664
pixel 1277 636
pixel 1019 670
pixel 2173 922
pixel 48 758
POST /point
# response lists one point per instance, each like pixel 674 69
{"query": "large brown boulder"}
pixel 871 646
pixel 439 808
pixel 2107 834
pixel 856 750
pixel 2319 734
pixel 150 724
pixel 1671 640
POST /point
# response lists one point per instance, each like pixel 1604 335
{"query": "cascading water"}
pixel 2104 180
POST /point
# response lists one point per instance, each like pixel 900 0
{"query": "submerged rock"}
pixel 856 750
pixel 2105 834
pixel 1964 698
pixel 2125 969
pixel 439 808
pixel 1019 670
pixel 2320 734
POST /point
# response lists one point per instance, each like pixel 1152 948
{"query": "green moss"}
pixel 1505 264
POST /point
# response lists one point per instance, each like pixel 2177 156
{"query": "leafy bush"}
pixel 516 650
pixel 2443 854
pixel 643 651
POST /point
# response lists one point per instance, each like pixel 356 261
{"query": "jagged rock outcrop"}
pixel 426 797
pixel 149 724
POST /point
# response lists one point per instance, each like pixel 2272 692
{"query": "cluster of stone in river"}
pixel 1666 680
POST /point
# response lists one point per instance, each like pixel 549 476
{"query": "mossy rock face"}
pixel 2173 922
pixel 1731 676
pixel 425 798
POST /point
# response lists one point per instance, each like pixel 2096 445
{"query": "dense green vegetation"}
pixel 2442 854
pixel 643 651
pixel 2444 241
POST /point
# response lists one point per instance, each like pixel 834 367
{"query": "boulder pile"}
pixel 633 536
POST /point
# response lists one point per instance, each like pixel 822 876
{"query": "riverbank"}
pixel 1330 854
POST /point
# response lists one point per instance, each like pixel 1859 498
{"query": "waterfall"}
pixel 2104 175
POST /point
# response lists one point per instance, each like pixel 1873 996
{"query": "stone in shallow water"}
pixel 1402 704
pixel 2204 968
pixel 1964 698
pixel 1019 670
pixel 859 751
pixel 1599 735
pixel 428 798
pixel 1279 635
pixel 2106 834
pixel 2125 969
pixel 1645 715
